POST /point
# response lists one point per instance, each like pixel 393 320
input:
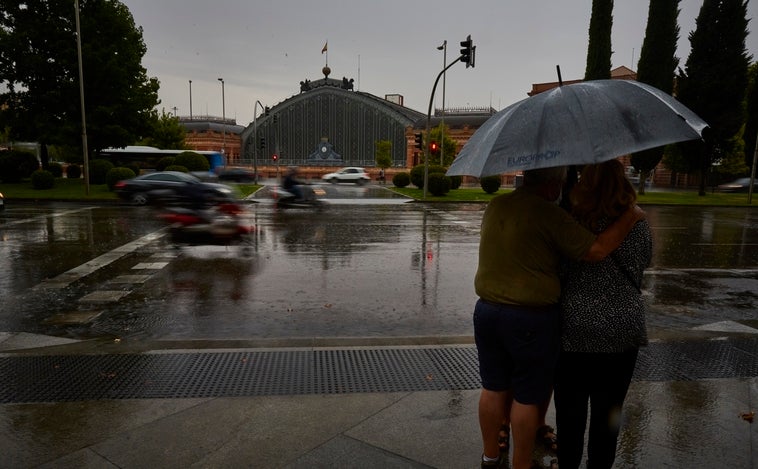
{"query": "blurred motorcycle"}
pixel 310 197
pixel 222 224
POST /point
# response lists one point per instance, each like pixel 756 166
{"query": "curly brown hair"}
pixel 602 194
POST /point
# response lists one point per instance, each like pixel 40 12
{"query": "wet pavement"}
pixel 367 295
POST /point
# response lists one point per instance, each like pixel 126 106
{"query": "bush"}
pixel 455 181
pixel 401 179
pixel 117 174
pixel 73 171
pixel 98 171
pixel 192 161
pixel 439 184
pixel 417 173
pixel 56 169
pixel 17 165
pixel 134 167
pixel 176 167
pixel 164 163
pixel 42 179
pixel 490 184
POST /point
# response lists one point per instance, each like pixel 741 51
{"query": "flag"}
pixel 324 48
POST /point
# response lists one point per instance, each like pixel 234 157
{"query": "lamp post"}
pixel 255 138
pixel 81 98
pixel 223 118
pixel 190 90
pixel 443 47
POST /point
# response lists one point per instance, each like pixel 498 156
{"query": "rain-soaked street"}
pixel 369 265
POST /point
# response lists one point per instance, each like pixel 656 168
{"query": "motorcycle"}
pixel 223 224
pixel 286 199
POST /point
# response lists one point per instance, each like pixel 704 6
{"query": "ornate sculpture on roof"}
pixel 347 84
pixel 305 85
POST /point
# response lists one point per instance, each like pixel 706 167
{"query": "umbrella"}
pixel 582 123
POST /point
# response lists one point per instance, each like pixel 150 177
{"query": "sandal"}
pixel 504 438
pixel 547 438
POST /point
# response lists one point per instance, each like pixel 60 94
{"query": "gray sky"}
pixel 264 49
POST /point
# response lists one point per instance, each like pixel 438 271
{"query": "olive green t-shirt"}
pixel 523 239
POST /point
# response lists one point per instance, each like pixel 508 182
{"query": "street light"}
pixel 223 117
pixel 443 47
pixel 190 90
pixel 255 138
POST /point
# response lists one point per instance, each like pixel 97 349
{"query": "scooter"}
pixel 222 224
pixel 286 199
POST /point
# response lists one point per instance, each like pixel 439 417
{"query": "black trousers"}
pixel 600 380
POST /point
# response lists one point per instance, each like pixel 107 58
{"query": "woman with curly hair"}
pixel 602 321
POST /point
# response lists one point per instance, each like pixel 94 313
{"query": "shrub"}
pixel 490 184
pixel 134 167
pixel 42 179
pixel 56 169
pixel 164 163
pixel 417 173
pixel 98 171
pixel 401 179
pixel 455 181
pixel 192 161
pixel 73 171
pixel 17 165
pixel 439 184
pixel 176 167
pixel 117 174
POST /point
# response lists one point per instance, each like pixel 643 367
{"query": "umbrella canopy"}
pixel 582 123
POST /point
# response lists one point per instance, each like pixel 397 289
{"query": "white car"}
pixel 351 174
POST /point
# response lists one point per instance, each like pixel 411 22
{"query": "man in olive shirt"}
pixel 524 236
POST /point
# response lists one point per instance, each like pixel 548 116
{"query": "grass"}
pixel 74 189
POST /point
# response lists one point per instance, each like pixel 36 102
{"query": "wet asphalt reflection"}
pixel 369 265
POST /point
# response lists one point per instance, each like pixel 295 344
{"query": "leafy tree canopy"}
pixel 40 77
pixel 166 133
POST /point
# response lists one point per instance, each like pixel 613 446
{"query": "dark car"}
pixel 738 185
pixel 170 186
pixel 236 175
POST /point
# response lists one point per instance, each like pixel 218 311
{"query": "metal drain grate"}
pixel 291 372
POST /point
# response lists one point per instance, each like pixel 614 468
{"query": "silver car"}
pixel 350 174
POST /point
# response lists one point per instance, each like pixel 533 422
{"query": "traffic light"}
pixel 433 147
pixel 263 143
pixel 266 110
pixel 276 119
pixel 274 157
pixel 419 141
pixel 468 52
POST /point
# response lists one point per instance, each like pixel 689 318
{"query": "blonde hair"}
pixel 602 194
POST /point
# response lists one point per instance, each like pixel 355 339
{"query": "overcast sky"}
pixel 263 50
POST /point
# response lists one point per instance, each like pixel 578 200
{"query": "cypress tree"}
pixel 599 48
pixel 715 78
pixel 656 67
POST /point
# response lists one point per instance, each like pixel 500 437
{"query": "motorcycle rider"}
pixel 292 184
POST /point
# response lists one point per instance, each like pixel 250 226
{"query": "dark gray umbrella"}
pixel 582 123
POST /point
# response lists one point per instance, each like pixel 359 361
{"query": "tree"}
pixel 449 146
pixel 166 133
pixel 599 48
pixel 751 106
pixel 656 67
pixel 39 73
pixel 715 78
pixel 384 154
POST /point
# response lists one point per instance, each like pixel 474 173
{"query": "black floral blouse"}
pixel 602 309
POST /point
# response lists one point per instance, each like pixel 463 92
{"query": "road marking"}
pixel 45 217
pixel 727 326
pixel 67 278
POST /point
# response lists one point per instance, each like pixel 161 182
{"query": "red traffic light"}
pixel 274 157
pixel 433 147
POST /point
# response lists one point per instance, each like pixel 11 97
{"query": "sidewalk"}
pixel 363 421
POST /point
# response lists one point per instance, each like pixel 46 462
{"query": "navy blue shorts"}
pixel 518 349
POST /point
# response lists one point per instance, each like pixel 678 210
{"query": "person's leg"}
pixel 524 424
pixel 571 396
pixel 607 400
pixel 492 411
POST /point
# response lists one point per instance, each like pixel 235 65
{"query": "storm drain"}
pixel 292 372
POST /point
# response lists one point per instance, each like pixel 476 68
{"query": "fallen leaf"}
pixel 328 305
pixel 429 377
pixel 748 416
